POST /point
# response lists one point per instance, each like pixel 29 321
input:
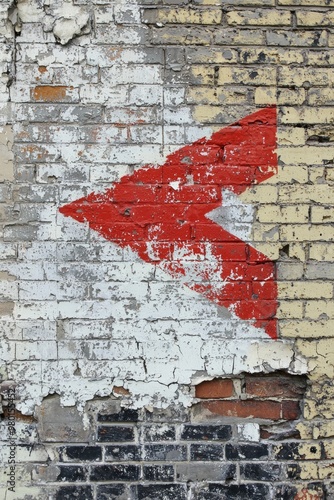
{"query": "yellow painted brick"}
pixel 318 365
pixel 283 215
pixel 323 408
pixel 308 470
pixel 252 3
pixel 271 250
pixel 322 214
pixel 288 174
pixel 290 309
pixel 203 75
pixel 329 174
pixel 294 136
pixel 314 18
pixel 319 193
pixel 317 175
pixel 218 114
pixel 305 290
pixel 320 58
pixel 291 97
pixel 265 55
pixel 247 76
pixel 304 232
pixel 323 252
pixel 265 232
pixel 326 470
pixel 310 451
pixel 258 17
pixel 320 133
pixel 305 430
pixel 263 193
pixel 319 97
pixel 306 3
pixel 212 55
pixel 306 155
pixel 314 309
pixel 181 15
pixel 265 95
pixel 230 36
pixel 308 115
pixel 182 35
pixel 299 76
pixel 323 429
pixel 217 95
pixel 300 38
pixel 307 329
pixel 297 251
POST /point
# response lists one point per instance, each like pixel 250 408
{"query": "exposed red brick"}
pixel 290 410
pixel 277 386
pixel 17 415
pixel 49 93
pixel 121 391
pixel 245 408
pixel 216 388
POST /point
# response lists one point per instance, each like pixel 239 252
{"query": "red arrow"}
pixel 160 212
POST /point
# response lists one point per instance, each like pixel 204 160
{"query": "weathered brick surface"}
pixel 91 91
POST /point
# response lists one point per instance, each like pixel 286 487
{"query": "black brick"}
pixel 240 491
pixel 115 433
pixel 72 473
pixel 290 451
pixel 122 453
pixel 125 415
pixel 207 432
pixel 74 492
pixel 246 451
pixel 288 492
pixel 159 433
pixel 168 452
pixel 161 492
pixel 260 472
pixel 114 473
pixel 158 472
pixel 205 452
pixel 80 453
pixel 111 492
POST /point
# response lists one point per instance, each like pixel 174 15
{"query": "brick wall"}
pixel 166 248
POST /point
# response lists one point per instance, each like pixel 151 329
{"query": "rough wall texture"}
pixel 167 250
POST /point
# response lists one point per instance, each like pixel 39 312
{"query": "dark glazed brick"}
pixel 74 492
pixel 80 453
pixel 114 473
pixel 115 433
pixel 126 415
pixel 158 472
pixel 170 414
pixel 207 432
pixel 161 492
pixel 159 433
pixel 246 451
pixel 166 452
pixel 260 472
pixel 72 473
pixel 205 452
pixel 122 453
pixel 112 492
pixel 240 491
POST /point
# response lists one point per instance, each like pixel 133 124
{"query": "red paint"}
pixel 156 219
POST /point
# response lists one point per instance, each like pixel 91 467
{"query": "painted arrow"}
pixel 161 212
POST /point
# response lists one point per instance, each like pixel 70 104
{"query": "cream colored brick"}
pixel 307 329
pixel 183 16
pixel 287 214
pixel 322 214
pixel 247 76
pixel 323 429
pixel 298 251
pixel 287 270
pixel 306 155
pixel 271 250
pixel 265 232
pixel 203 75
pixel 304 232
pixel 265 95
pixel 314 18
pixel 308 470
pixel 259 17
pixel 320 58
pixel 326 470
pixel 305 290
pixel 293 97
pixel 317 175
pixel 270 55
pixel 294 38
pixel 320 357
pixel 299 76
pixel 211 55
pixel 218 95
pixel 288 174
pixel 290 309
pixel 319 193
pixel 310 451
pixel 263 193
pixel 305 429
pixel 306 3
pixel 308 115
pixel 291 136
pixel 6 154
pixel 320 133
pixel 321 96
pixel 329 174
pixel 322 252
pixel 315 309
